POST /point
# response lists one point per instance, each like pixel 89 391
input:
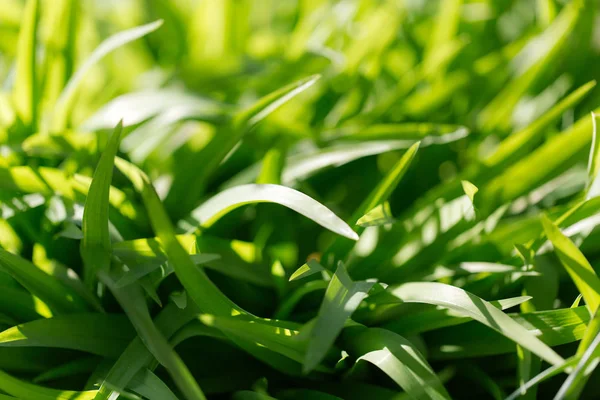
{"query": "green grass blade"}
pixel 96 247
pixel 426 132
pixel 529 65
pixel 22 305
pixel 554 327
pixel 25 390
pixel 398 358
pixel 106 335
pixel 26 91
pixel 217 206
pixel 49 289
pixel 474 307
pixel 580 270
pixel 342 298
pixel 440 318
pixel 150 386
pixel 593 184
pixel 542 376
pixel 266 105
pixel 340 247
pixel 132 301
pixel 193 185
pixel 137 356
pixel 67 98
pixel 69 369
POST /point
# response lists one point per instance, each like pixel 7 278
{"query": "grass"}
pixel 307 199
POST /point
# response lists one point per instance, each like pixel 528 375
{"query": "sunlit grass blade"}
pixel 22 305
pixel 193 185
pixel 214 208
pixel 576 264
pixel 96 248
pixel 342 298
pixel 428 320
pixel 26 91
pixel 543 376
pixel 340 247
pixel 25 390
pixel 398 358
pixel 79 366
pixel 47 288
pixel 67 98
pixel 106 335
pixel 474 307
pixel 137 356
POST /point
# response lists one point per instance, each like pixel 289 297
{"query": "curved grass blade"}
pixel 593 183
pixel 342 298
pixel 150 386
pixel 543 376
pixel 474 307
pixel 60 298
pixel 96 248
pixel 554 327
pixel 428 132
pixel 25 390
pixel 588 361
pixel 580 270
pixel 66 100
pixel 230 199
pixel 26 91
pixel 266 105
pixel 396 357
pixel 310 268
pixel 105 335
